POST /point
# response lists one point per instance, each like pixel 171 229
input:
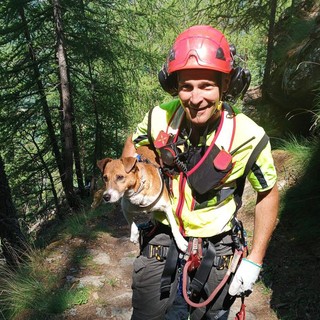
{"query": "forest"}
pixel 78 75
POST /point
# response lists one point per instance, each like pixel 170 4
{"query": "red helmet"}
pixel 200 47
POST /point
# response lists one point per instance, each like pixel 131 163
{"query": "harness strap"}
pixel 149 129
pixel 169 269
pixel 253 157
pixel 204 269
pixel 232 268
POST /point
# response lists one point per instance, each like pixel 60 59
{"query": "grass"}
pixel 112 282
pixel 37 288
pixel 300 204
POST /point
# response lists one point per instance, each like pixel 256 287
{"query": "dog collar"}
pixel 142 182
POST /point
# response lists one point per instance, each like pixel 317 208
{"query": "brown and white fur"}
pixel 138 185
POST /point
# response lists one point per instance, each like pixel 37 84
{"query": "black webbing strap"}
pixel 150 137
pixel 253 157
pixel 149 129
pixel 204 269
pixel 169 269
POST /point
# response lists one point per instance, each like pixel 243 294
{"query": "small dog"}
pixel 142 189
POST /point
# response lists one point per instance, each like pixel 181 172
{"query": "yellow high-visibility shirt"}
pixel 211 217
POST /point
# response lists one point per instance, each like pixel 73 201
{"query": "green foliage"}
pixel 66 298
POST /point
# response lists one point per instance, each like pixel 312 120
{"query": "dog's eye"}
pixel 105 178
pixel 120 177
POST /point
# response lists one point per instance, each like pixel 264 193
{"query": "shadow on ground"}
pixel 293 259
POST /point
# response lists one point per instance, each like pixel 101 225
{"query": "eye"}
pixel 105 179
pixel 184 87
pixel 209 85
pixel 120 177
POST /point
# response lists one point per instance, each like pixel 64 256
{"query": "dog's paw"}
pixel 134 239
pixel 134 236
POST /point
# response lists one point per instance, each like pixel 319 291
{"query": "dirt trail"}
pixel 108 272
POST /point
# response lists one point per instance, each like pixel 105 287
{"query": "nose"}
pixel 106 197
pixel 196 96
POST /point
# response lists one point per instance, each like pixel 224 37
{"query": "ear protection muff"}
pixel 169 83
pixel 239 81
pixel 239 84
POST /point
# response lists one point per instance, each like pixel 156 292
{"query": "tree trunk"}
pixel 67 112
pixel 267 70
pixel 77 160
pixel 45 108
pixel 46 168
pixel 13 242
pixel 98 131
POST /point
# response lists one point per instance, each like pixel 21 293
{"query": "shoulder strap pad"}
pixel 253 157
pixel 149 128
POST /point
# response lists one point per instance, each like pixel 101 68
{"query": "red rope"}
pixel 236 259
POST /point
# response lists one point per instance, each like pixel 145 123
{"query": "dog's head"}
pixel 119 175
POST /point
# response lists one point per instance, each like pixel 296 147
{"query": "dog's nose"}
pixel 106 197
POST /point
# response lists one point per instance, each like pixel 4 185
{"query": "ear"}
pixel 102 163
pixel 129 163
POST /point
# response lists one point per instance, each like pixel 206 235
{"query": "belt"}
pixel 161 252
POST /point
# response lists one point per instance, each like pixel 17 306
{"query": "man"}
pixel 205 149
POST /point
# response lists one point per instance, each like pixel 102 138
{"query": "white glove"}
pixel 244 278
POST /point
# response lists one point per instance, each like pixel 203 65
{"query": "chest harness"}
pixel 204 169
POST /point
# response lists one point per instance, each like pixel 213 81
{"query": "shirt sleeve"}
pixel 140 136
pixel 263 175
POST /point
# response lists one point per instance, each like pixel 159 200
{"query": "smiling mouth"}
pixel 198 109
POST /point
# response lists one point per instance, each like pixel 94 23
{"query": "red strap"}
pixel 241 315
pixel 235 261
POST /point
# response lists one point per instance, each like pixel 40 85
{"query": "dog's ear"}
pixel 129 163
pixel 102 163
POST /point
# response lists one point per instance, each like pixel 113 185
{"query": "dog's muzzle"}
pixel 107 197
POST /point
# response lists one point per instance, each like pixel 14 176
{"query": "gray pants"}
pixel 148 304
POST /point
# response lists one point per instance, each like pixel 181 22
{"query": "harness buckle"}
pixel 225 262
pixel 155 251
pixel 158 252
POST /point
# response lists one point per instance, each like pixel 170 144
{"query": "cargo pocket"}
pixel 139 266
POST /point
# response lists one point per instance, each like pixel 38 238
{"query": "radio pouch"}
pixel 211 171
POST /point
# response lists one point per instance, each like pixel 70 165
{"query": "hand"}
pixel 244 278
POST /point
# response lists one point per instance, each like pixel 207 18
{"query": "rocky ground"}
pixel 104 264
pixel 108 275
